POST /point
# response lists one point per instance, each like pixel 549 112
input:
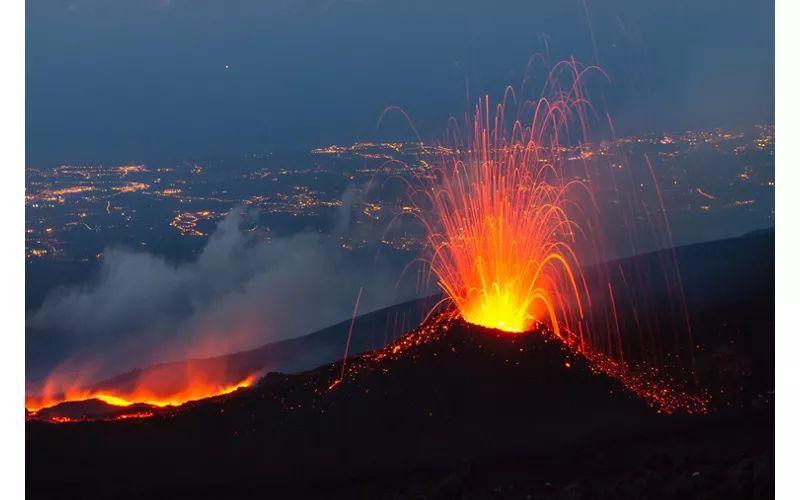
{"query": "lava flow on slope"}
pixel 159 387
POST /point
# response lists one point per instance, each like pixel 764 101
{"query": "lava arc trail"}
pixel 501 213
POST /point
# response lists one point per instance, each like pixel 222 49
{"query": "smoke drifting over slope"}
pixel 238 294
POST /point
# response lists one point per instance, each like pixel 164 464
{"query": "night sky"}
pixel 113 80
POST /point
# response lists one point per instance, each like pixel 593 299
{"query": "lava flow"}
pixel 498 215
pixel 142 394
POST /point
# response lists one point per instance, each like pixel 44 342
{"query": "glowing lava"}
pixel 498 210
pixel 142 394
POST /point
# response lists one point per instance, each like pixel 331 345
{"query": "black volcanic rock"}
pixel 446 392
pixel 78 409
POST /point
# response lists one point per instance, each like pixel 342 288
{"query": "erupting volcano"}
pixel 511 219
pixel 513 214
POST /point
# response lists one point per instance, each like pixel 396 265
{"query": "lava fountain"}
pixel 503 218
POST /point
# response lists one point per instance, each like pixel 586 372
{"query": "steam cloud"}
pixel 239 294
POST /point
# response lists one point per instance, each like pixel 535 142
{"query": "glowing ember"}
pixel 195 391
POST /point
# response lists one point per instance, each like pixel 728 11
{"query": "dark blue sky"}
pixel 114 80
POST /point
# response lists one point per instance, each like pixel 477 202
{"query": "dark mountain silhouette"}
pixel 92 409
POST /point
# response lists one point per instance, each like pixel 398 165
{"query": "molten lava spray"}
pixel 498 214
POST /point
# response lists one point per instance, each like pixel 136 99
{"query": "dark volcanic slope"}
pixel 445 393
pixel 462 391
